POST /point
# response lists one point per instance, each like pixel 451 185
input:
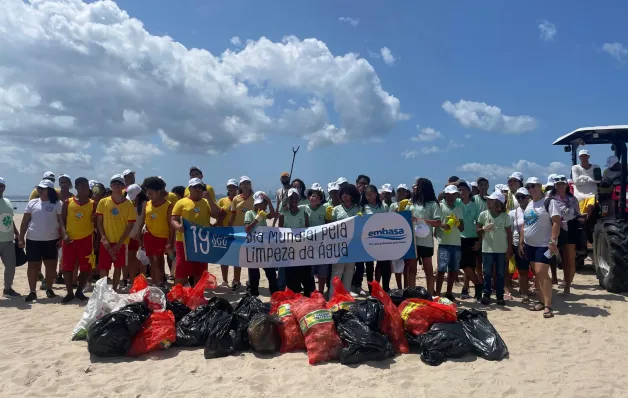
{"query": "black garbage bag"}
pixel 178 309
pixel 362 344
pixel 370 312
pixel 220 343
pixel 443 341
pixel 111 335
pixel 396 295
pixel 487 342
pixel 239 332
pixel 250 306
pixel 264 335
pixel 194 328
pixel 417 292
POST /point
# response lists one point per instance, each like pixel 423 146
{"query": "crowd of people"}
pixel 81 236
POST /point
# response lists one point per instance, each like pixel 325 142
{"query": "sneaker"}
pixel 465 294
pixel 67 298
pixel 10 293
pixel 50 294
pixel 32 296
pixel 224 284
pixel 60 280
pixel 485 300
pixel 354 295
pixel 501 301
pixel 79 295
pixel 235 286
pixel 88 288
pixel 43 286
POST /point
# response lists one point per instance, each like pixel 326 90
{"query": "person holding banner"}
pixel 403 198
pixel 225 205
pixel 253 219
pixel 316 211
pixel 242 203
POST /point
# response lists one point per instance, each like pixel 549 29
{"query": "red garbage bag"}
pixel 341 299
pixel 291 335
pixel 277 298
pixel 193 296
pixel 318 296
pixel 316 323
pixel 419 315
pixel 139 283
pixel 158 332
pixel 393 324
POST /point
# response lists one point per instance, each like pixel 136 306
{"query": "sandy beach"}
pixel 578 353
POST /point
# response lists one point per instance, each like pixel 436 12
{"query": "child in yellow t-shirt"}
pixel 225 205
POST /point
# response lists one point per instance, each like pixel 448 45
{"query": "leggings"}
pixel 300 279
pixel 358 275
pixel 384 269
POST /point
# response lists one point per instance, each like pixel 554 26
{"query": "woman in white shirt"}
pixel 523 264
pixel 41 232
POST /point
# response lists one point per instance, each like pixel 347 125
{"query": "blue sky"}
pixel 491 53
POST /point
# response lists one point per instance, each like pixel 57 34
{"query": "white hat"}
pixel 474 184
pixel 532 180
pixel 65 176
pixel 127 172
pixel 517 176
pixel 522 191
pixel 2 181
pixel 49 174
pixel 118 178
pixel 558 178
pixel 92 183
pixel 244 179
pixel 316 187
pixel 194 182
pixel 332 186
pixel 497 196
pixel 46 184
pixel 612 161
pixel 501 187
pixel 293 191
pixel 583 152
pixel 387 188
pixel 451 189
pixel 550 180
pixel 402 186
pixel 258 197
pixel 232 181
pixel 132 191
pixel 342 180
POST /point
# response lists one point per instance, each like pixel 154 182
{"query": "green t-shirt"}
pixel 316 216
pixel 452 237
pixel 496 240
pixel 249 217
pixel 394 207
pixel 471 212
pixel 294 220
pixel 481 202
pixel 302 202
pixel 6 220
pixel 428 211
pixel 382 208
pixel 340 212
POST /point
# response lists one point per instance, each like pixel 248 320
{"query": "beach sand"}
pixel 578 353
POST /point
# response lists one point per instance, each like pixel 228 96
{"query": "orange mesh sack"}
pixel 419 315
pixel 317 325
pixel 393 324
pixel 341 299
pixel 158 332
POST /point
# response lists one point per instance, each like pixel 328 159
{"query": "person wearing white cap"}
pixel 474 188
pixel 449 240
pixel 342 182
pixel 584 177
pixel 65 184
pixel 208 190
pixel 48 176
pixel 225 205
pixel 239 206
pixel 129 177
pixel 334 198
pixel 402 194
pixel 387 192
pixel 515 181
pixel 495 231
pixel 523 264
pixel 42 227
pixel 8 233
pixel 469 244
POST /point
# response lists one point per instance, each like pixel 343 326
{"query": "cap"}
pixel 194 182
pixel 127 172
pixel 583 152
pixel 387 188
pixel 194 168
pixel 332 186
pixel 2 181
pixel 612 161
pixel 450 189
pixel 501 187
pixel 65 176
pixel 532 180
pixel 550 180
pixel 46 184
pixel 117 178
pixel 516 176
pixel 244 179
pixel 522 191
pixel 49 174
pixel 284 174
pixel 559 178
pixel 497 196
pixel 474 184
pixel 402 186
pixel 132 191
pixel 232 181
pixel 258 197
pixel 293 191
pixel 92 183
pixel 316 187
pixel 342 180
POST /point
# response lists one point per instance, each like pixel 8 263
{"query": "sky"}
pixel 391 90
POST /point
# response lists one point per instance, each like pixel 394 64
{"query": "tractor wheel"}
pixel 610 254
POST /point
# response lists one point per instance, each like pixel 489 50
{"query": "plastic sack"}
pixel 111 335
pixel 193 296
pixel 487 342
pixel 396 295
pixel 417 292
pixel 318 328
pixel 178 309
pixel 153 296
pixel 101 302
pixel 393 324
pixel 193 330
pixel 264 335
pixel 139 283
pixel 219 342
pixel 370 312
pixel 398 266
pixel 341 299
pixel 362 343
pixel 419 315
pixel 157 333
pixel 291 335
pixel 141 255
pixel 442 341
pixel 277 298
pixel 249 306
pixel 318 297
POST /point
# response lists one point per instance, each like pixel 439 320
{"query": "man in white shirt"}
pixel 585 184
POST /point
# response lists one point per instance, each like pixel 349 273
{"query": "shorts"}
pixel 321 270
pixel 78 252
pixel 105 260
pixel 571 236
pixel 523 264
pixel 536 254
pixel 584 203
pixel 424 252
pixel 154 245
pixel 449 258
pixel 38 250
pixel 468 256
pixel 185 268
pixel 134 245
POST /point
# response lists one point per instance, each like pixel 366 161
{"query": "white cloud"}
pixel 129 153
pixel 409 154
pixel 616 50
pixel 351 21
pixel 387 56
pixel 235 40
pixel 75 72
pixel 501 172
pixel 427 134
pixel 547 30
pixel 437 149
pixel 487 117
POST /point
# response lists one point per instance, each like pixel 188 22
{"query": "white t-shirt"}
pixel 537 229
pixel 584 181
pixel 516 217
pixel 44 225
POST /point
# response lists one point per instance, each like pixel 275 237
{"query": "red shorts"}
pixel 77 252
pixel 134 245
pixel 153 245
pixel 184 268
pixel 105 260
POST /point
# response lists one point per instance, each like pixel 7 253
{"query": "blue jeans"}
pixel 449 258
pixel 281 278
pixel 499 260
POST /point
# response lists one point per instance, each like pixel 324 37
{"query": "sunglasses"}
pixel 520 197
pixel 531 186
pixel 560 179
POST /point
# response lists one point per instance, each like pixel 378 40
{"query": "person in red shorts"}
pixel 78 248
pixel 115 218
pixel 159 236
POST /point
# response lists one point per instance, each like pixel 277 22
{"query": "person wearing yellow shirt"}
pixel 159 235
pixel 78 248
pixel 198 211
pixel 208 191
pixel 225 205
pixel 239 206
pixel 115 219
pixel 49 176
pixel 65 184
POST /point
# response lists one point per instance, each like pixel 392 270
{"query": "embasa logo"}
pixel 388 234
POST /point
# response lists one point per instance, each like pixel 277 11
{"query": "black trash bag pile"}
pixel 417 292
pixel 250 306
pixel 179 310
pixel 441 342
pixel 194 328
pixel 264 334
pixel 111 335
pixel 361 343
pixel 370 312
pixel 484 338
pixel 396 295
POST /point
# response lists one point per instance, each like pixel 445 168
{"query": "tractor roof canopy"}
pixel 595 135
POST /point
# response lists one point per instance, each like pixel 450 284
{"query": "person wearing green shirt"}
pixel 449 241
pixel 480 198
pixel 316 211
pixel 349 207
pixel 470 245
pixel 495 231
pixel 8 234
pixel 254 219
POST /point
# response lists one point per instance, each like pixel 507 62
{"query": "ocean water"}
pixel 18 202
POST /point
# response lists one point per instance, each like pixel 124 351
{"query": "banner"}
pixel 384 236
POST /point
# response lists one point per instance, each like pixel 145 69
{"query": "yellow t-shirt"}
pixel 156 219
pixel 35 194
pixel 172 197
pixel 210 191
pixel 225 205
pixel 584 203
pixel 239 207
pixel 196 212
pixel 116 217
pixel 79 222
